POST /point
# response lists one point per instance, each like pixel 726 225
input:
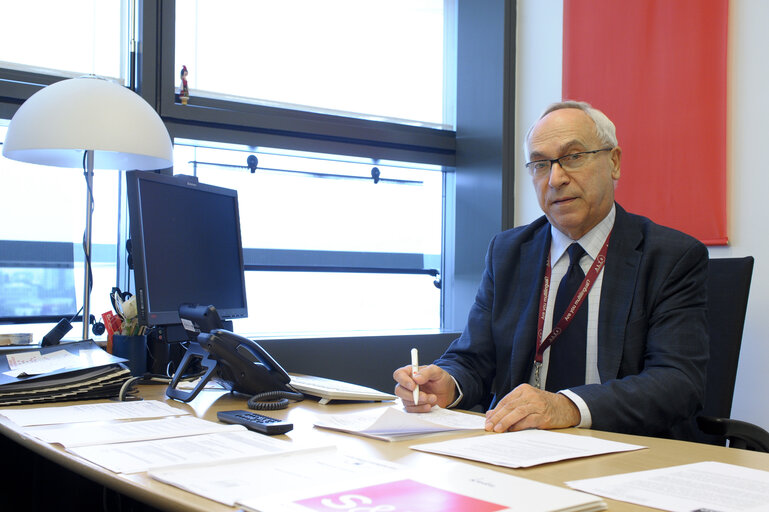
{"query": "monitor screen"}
pixel 185 245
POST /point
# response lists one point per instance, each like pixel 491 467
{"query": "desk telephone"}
pixel 243 366
pixel 237 364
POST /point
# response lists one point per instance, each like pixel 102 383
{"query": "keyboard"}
pixel 330 389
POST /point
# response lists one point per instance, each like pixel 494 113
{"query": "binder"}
pixel 89 373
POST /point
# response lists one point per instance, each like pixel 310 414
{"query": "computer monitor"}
pixel 185 246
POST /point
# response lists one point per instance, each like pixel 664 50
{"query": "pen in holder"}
pixel 133 348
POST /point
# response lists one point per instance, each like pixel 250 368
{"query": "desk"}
pixel 660 452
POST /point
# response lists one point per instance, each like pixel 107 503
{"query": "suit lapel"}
pixel 532 264
pixel 619 282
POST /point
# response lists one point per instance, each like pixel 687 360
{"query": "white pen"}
pixel 414 371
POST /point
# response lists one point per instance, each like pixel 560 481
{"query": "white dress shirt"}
pixel 591 243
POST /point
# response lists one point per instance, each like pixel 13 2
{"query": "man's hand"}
pixel 529 407
pixel 436 387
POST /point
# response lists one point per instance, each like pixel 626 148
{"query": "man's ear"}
pixel 616 157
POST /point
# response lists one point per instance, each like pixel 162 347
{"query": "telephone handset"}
pixel 238 364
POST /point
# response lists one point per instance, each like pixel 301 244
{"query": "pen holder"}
pixel 133 348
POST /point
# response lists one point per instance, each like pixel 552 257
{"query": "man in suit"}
pixel 630 351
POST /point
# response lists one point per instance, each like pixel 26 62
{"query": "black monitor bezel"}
pixel 146 315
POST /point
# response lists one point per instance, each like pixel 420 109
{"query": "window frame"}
pixel 229 121
pixel 151 71
pixel 252 125
pixel 479 154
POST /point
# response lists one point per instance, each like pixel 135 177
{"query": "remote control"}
pixel 256 422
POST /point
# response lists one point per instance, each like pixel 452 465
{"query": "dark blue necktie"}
pixel 567 353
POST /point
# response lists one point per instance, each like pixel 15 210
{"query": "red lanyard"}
pixel 574 305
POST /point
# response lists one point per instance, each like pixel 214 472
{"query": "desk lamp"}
pixel 91 123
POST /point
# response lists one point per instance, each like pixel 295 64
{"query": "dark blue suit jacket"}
pixel 652 327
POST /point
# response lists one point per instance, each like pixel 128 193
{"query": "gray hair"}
pixel 604 128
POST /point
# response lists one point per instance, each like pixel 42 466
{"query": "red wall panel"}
pixel 657 68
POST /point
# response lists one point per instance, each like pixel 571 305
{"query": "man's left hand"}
pixel 529 407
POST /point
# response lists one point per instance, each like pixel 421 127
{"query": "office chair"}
pixel 728 288
pixel 740 434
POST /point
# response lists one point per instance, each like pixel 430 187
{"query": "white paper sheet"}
pixel 703 486
pixel 450 487
pixel 229 483
pixel 525 448
pixel 275 483
pixel 91 412
pixel 162 453
pixel 35 363
pixel 393 423
pixel 84 434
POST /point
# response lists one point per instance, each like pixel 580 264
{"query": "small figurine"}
pixel 184 92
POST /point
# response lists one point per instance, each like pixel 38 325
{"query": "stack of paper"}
pixel 156 436
pixel 71 371
pixel 234 466
pixel 326 480
pixel 395 424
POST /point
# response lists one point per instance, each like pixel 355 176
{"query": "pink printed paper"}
pixel 400 496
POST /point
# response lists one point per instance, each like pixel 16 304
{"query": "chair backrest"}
pixel 728 287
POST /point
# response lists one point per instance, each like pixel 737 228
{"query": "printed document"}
pixel 394 424
pixel 91 412
pixel 84 434
pixel 329 479
pixel 275 474
pixel 35 363
pixel 451 487
pixel 525 448
pixel 163 453
pixel 29 365
pixel 703 486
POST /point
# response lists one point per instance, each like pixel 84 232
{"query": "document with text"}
pixel 91 412
pixel 395 424
pixel 84 434
pixel 525 448
pixel 451 487
pixel 236 481
pixel 185 451
pixel 703 486
pixel 332 480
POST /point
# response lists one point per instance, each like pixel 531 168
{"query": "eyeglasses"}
pixel 571 162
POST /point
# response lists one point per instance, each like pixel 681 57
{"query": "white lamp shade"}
pixel 56 124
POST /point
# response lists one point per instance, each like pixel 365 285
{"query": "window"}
pixel 46 206
pixel 76 37
pixel 374 247
pixel 380 59
pixel 328 248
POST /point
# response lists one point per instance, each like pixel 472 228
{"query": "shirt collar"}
pixel 591 242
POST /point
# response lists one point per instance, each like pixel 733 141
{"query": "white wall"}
pixel 539 43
